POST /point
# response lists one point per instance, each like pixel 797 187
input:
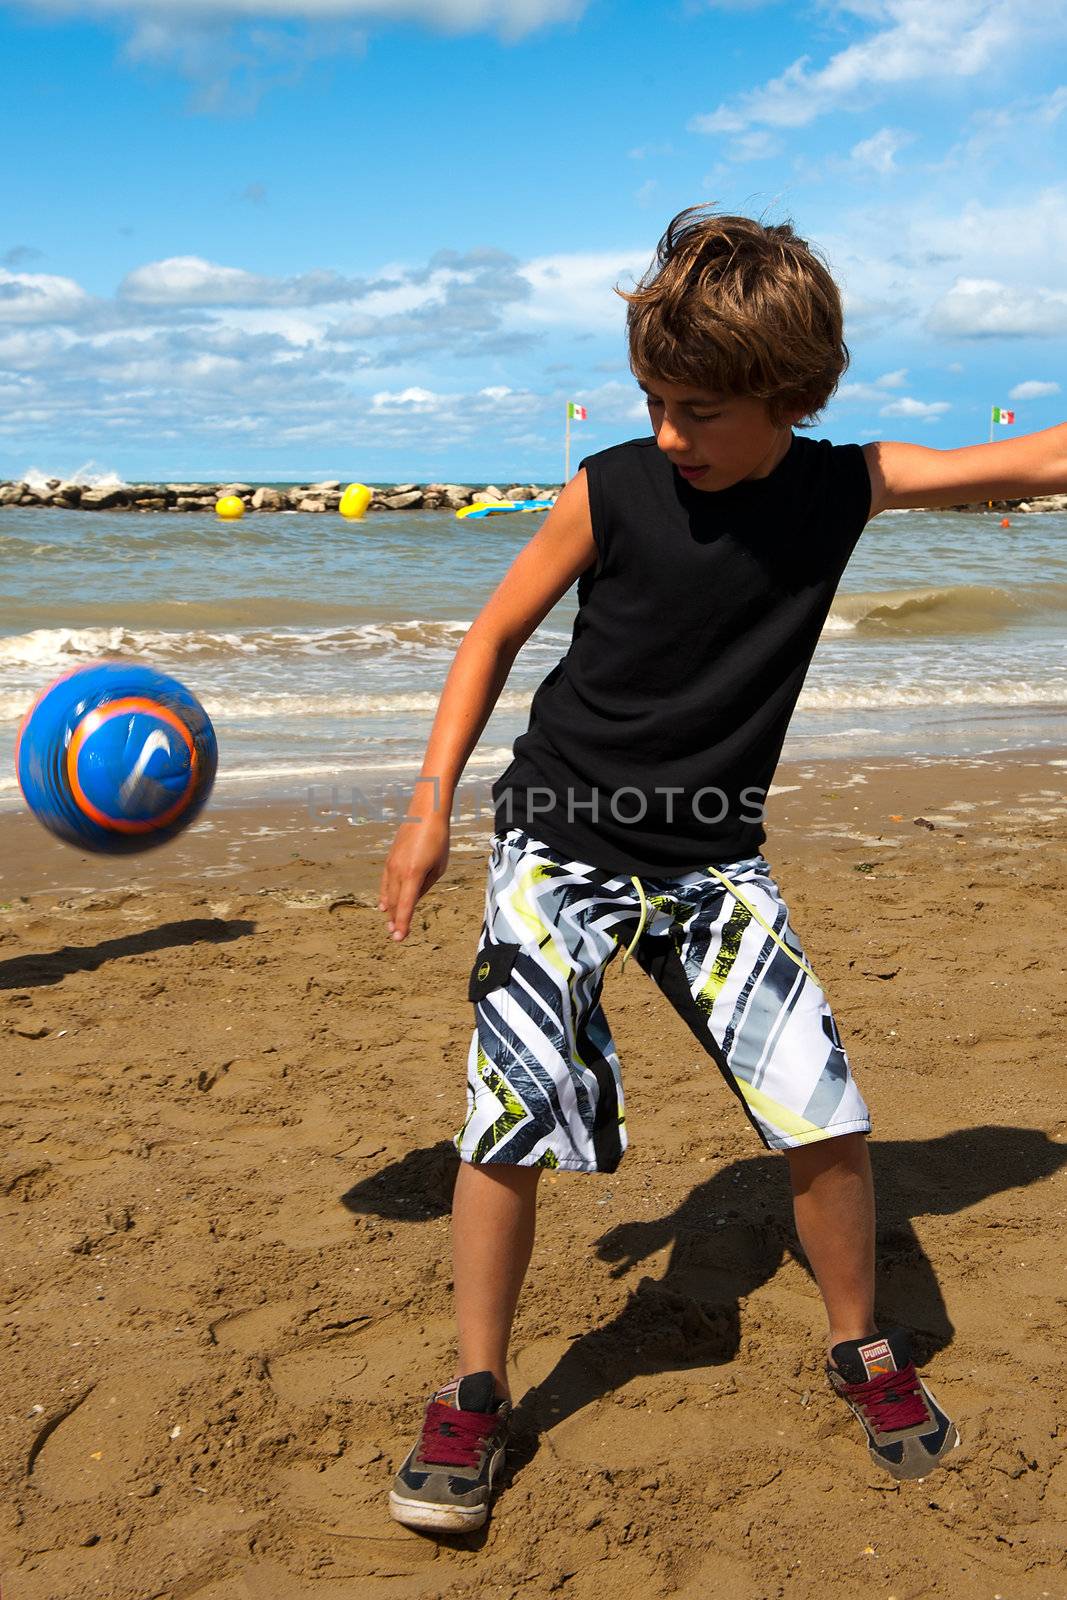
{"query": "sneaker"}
pixel 907 1432
pixel 445 1484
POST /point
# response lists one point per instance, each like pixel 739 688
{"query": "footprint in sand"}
pixel 256 1329
pixel 313 1376
pixel 98 1444
pixel 20 1181
pixel 309 1220
pixel 241 1076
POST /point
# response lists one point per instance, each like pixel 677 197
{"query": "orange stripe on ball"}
pixel 95 719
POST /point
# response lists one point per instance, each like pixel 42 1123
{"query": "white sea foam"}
pixel 280 708
pixel 872 697
pixel 496 757
pixel 89 475
pixel 284 709
pixel 416 639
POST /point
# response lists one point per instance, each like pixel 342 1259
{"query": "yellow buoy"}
pixel 229 507
pixel 355 500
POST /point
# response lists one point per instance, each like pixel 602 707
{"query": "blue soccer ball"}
pixel 116 757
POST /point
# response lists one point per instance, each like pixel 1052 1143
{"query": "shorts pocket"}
pixel 491 970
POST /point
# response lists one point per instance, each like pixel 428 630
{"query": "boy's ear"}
pixel 787 416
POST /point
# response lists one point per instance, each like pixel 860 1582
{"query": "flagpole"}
pixel 992 414
pixel 567 449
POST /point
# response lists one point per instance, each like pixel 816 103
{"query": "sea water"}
pixel 320 647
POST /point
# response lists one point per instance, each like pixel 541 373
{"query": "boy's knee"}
pixel 847 1152
pixel 497 1175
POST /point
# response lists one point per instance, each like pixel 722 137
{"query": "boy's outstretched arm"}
pixel 907 476
pixel 544 569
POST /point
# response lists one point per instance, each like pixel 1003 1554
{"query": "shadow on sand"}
pixel 727 1238
pixel 33 970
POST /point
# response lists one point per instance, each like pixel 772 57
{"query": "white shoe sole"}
pixel 436 1519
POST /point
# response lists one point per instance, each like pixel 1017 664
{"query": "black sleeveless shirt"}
pixel 651 745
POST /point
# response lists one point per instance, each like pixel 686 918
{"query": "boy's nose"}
pixel 669 439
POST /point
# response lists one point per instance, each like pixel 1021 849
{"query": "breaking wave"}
pixel 956 608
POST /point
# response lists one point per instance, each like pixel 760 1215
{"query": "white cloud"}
pixel 235 51
pixel 879 151
pixel 189 280
pixel 460 305
pixel 854 393
pixel 757 145
pixel 33 349
pixel 916 42
pixel 577 287
pixel 874 390
pixel 511 18
pixel 999 130
pixel 642 152
pixel 1033 389
pixel 977 308
pixel 39 297
pixel 901 266
pixel 1029 236
pixel 411 399
pixel 917 410
pixel 1052 107
pixel 192 281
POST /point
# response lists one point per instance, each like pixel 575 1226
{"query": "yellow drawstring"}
pixel 636 881
pixel 750 908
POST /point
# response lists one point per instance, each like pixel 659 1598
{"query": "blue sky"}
pixel 377 238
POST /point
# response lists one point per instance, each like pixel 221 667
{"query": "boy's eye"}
pixel 697 416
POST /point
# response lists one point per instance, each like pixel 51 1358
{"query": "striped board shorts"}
pixel 544 1087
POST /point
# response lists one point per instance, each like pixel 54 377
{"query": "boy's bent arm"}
pixel 543 571
pixel 909 476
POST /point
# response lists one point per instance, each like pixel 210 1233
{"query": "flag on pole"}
pixel 1000 415
pixel 576 413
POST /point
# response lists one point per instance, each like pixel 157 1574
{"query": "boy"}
pixel 707 558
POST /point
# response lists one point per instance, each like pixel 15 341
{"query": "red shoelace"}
pixel 452 1438
pixel 892 1400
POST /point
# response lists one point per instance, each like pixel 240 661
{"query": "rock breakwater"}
pixel 309 497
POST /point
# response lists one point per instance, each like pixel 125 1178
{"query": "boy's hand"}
pixel 418 858
pixel 632 1242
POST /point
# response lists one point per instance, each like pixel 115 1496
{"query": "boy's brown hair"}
pixel 737 308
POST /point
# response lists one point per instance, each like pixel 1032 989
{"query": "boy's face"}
pixel 715 440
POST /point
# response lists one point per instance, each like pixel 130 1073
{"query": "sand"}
pixel 227 1106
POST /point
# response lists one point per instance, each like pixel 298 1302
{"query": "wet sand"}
pixel 227 1105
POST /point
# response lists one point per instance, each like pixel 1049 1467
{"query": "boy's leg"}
pixel 736 972
pixel 833 1203
pixel 544 1089
pixel 446 1481
pixel 493 1216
